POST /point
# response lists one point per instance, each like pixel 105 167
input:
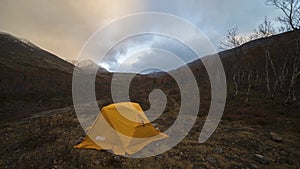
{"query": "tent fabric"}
pixel 122 128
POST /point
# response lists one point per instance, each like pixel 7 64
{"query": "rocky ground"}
pixel 46 140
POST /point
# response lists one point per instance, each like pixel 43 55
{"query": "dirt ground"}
pixel 46 141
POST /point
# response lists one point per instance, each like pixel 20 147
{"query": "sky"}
pixel 63 27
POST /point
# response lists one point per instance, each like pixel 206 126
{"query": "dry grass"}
pixel 47 142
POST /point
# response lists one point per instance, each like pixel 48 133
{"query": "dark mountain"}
pixel 88 65
pixel 34 75
pixel 268 65
pixel 28 70
pixel 32 79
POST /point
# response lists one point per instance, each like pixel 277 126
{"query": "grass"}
pixel 48 142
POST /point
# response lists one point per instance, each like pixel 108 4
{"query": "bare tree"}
pixel 265 29
pixel 296 72
pixel 281 76
pixel 291 12
pixel 235 82
pixel 267 56
pixel 249 86
pixel 232 39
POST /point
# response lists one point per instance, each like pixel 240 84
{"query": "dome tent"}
pixel 122 128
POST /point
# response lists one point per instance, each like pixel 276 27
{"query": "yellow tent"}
pixel 122 128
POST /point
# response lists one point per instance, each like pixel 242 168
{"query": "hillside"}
pixel 27 69
pixel 264 65
pixel 31 79
pixel 269 65
pixel 34 80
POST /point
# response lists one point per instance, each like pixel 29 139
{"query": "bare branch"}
pixel 291 12
pixel 265 29
pixel 232 39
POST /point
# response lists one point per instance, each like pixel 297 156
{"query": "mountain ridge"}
pixel 28 72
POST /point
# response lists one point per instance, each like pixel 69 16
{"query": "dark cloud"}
pixel 63 27
pixel 215 17
pixel 139 51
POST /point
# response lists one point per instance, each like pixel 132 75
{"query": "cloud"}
pixel 138 52
pixel 215 17
pixel 62 27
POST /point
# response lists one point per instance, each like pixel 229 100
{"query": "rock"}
pixel 22 122
pixel 283 153
pixel 97 162
pixel 75 120
pixel 60 140
pixel 261 159
pixel 78 141
pixel 275 137
pixel 253 166
pixel 158 157
pixel 211 159
pixel 117 158
pixel 218 150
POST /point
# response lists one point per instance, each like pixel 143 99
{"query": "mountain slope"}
pixel 264 65
pixel 27 69
pixel 88 65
